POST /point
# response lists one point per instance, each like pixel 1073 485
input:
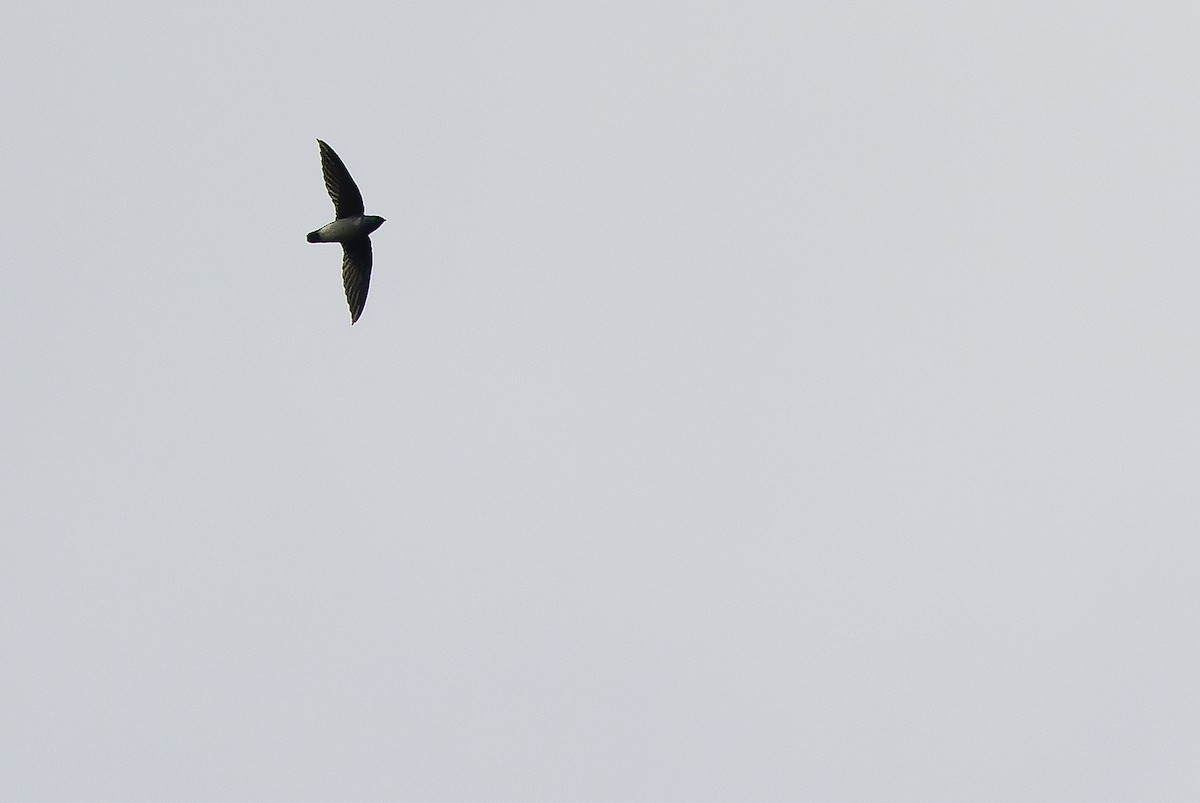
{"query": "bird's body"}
pixel 345 229
pixel 351 228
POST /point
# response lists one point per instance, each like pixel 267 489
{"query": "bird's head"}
pixel 372 222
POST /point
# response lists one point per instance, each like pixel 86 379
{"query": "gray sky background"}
pixel 754 401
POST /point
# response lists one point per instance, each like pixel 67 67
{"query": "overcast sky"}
pixel 754 401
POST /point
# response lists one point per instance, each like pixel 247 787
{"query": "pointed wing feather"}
pixel 356 274
pixel 347 200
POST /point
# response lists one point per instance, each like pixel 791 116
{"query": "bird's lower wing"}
pixel 356 274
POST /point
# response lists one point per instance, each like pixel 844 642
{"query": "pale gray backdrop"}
pixel 754 401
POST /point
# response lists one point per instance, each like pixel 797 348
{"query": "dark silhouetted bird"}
pixel 351 228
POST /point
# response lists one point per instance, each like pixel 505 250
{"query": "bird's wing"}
pixel 356 274
pixel 347 200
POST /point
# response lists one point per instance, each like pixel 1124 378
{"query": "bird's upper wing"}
pixel 356 274
pixel 347 200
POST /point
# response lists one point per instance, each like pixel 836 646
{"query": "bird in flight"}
pixel 350 227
